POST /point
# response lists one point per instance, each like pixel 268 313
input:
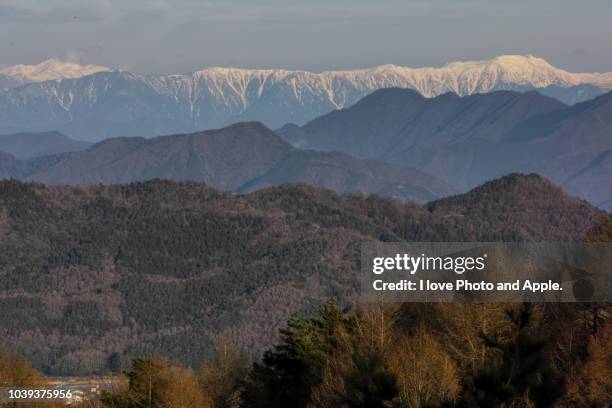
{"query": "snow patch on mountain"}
pixel 240 87
pixel 342 88
pixel 50 69
pixel 109 103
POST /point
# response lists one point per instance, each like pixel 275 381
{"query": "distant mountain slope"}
pixel 343 174
pixel 448 135
pixel 224 158
pixel 571 147
pixel 469 140
pixel 572 95
pixel 12 167
pixel 591 181
pixel 93 275
pixel 8 82
pixel 241 157
pixel 117 103
pixel 28 145
pixel 8 165
pixel 390 123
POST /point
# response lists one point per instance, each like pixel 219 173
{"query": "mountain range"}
pixel 394 142
pixel 93 103
pixel 242 157
pixel 93 275
pixel 468 140
pixel 30 145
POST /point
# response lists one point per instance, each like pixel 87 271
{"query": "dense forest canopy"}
pixel 92 276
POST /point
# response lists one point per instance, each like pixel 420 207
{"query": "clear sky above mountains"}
pixel 156 36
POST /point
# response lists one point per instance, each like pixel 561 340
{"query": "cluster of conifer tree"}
pixel 113 262
pixel 404 355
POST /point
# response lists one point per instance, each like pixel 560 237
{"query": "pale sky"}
pixel 175 36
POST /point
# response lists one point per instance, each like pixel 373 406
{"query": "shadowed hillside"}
pixel 468 140
pixel 241 157
pixel 93 275
pixel 28 145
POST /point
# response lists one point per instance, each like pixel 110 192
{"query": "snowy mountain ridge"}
pixel 343 88
pixel 113 103
pixel 50 69
pixel 462 78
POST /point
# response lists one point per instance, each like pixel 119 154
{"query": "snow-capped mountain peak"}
pixel 51 69
pixel 515 62
pixel 124 103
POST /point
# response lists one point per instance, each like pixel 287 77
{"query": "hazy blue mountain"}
pixel 468 140
pixel 28 145
pixel 591 181
pixel 572 94
pixel 443 134
pixel 571 147
pixel 225 158
pixel 108 104
pixel 242 157
pixel 343 174
pixel 8 165
pixel 7 82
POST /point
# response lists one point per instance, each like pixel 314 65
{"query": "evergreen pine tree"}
pixel 523 376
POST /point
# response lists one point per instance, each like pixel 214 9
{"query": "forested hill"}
pixel 90 276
